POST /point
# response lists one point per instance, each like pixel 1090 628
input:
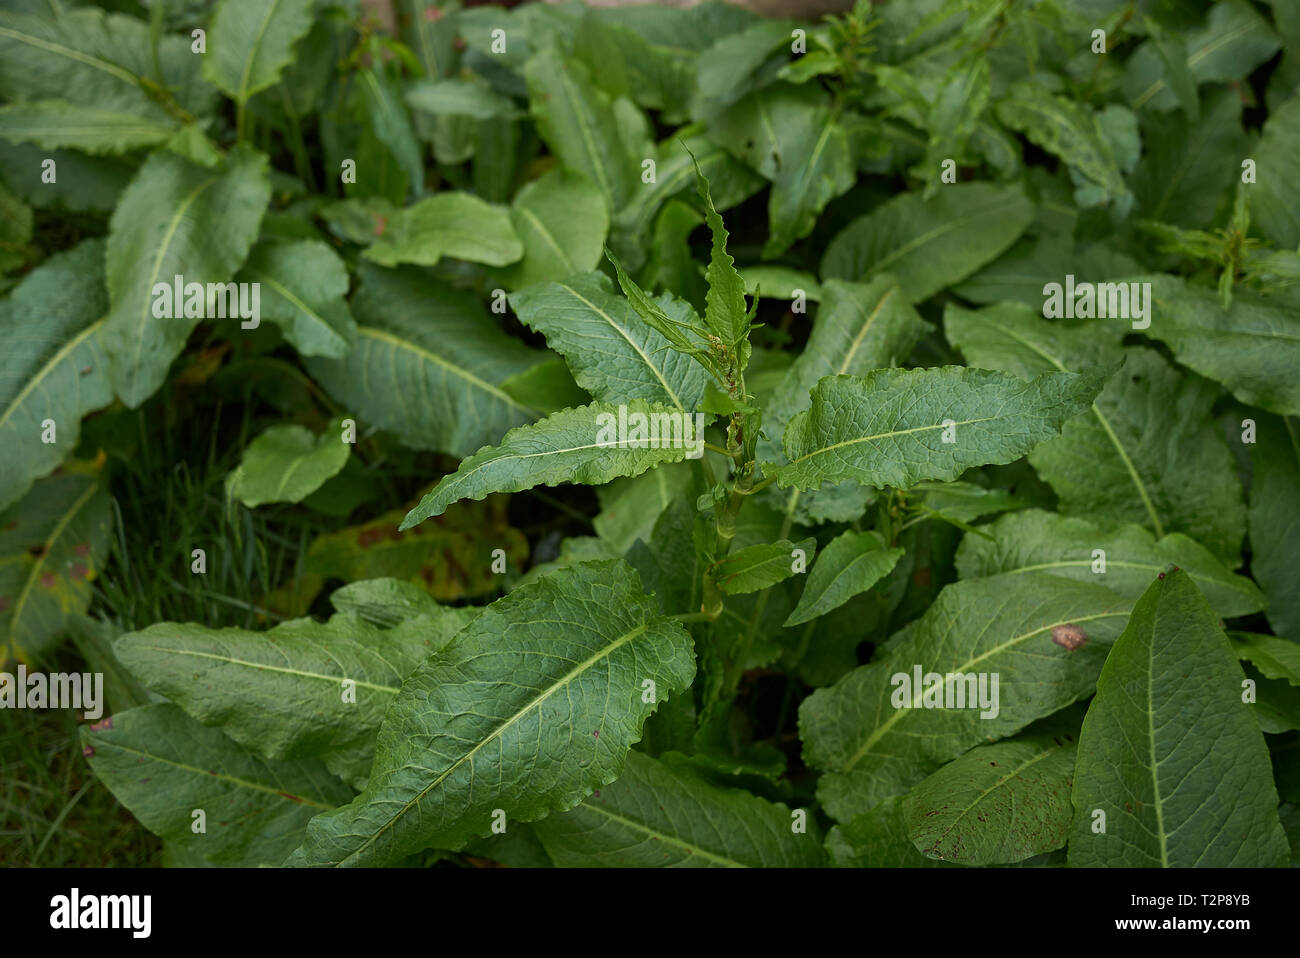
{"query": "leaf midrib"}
pixel 664 836
pixel 899 713
pixel 263 667
pixel 500 730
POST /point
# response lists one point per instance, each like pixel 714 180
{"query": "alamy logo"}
pixel 955 690
pixel 656 430
pixel 1098 301
pixel 58 690
pixel 102 911
pixel 212 301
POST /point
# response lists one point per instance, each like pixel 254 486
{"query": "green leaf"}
pixel 775 281
pixel 1233 42
pixel 1081 137
pixel 887 428
pixel 86 183
pixel 283 693
pixel 53 367
pixel 1169 752
pixel 107 58
pixel 303 283
pixel 562 221
pixel 453 224
pixel 877 839
pixel 1189 167
pixel 529 727
pixel 587 445
pixel 758 567
pixel 791 135
pixel 1035 541
pixel 730 182
pixel 930 244
pixel 1253 347
pixel 859 327
pixel 629 508
pixel 725 311
pixel 613 353
pixel 162 765
pixel 460 98
pixel 1275 658
pixel 869 749
pixel 429 364
pixel 385 601
pixel 1275 195
pixel 1105 465
pixel 580 123
pixel 661 814
pixel 851 564
pixel 252 42
pixel 287 464
pixel 997 803
pixel 1275 520
pixel 53 544
pixel 1018 274
pixel 175 219
pixel 53 124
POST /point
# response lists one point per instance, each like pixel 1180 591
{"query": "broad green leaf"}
pixel 895 427
pixel 859 327
pixel 287 464
pixel 175 219
pixel 613 353
pixel 1252 348
pixel 662 814
pixel 252 42
pixel 388 121
pixel 15 230
pixel 580 123
pixel 85 183
pixel 1234 40
pixel 730 182
pixel 460 98
pixel 1081 137
pixel 53 367
pixel 870 748
pixel 739 63
pixel 53 543
pixel 1190 166
pixel 428 364
pixel 1035 541
pixel 449 559
pixel 531 725
pixel 385 601
pixel 965 501
pixel 1108 465
pixel 302 688
pixel 775 281
pixel 562 221
pixel 758 567
pixel 997 803
pixel 851 564
pixel 1275 658
pixel 1275 195
pixel 791 135
pixel 589 445
pixel 1018 273
pixel 930 244
pixel 1274 516
pixel 54 124
pixel 877 839
pixel 1169 752
pixel 162 765
pixel 455 224
pixel 303 283
pixel 629 508
pixel 107 59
